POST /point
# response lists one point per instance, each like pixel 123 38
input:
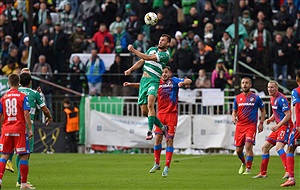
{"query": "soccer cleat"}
pixel 242 168
pixel 149 135
pixel 260 176
pixel 155 168
pixel 165 172
pixel 9 166
pixel 286 175
pixel 19 184
pixel 26 186
pixel 288 183
pixel 247 172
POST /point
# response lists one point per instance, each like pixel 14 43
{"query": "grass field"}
pixel 131 171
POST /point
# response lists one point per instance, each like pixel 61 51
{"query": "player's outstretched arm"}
pixel 141 55
pixel 48 115
pixel 186 81
pixel 134 67
pixel 134 85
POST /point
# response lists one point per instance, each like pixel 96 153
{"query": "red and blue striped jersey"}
pixel 247 109
pixel 167 98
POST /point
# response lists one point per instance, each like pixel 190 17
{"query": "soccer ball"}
pixel 151 18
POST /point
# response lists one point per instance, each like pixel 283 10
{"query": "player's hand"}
pixel 274 128
pixel 30 134
pixel 268 121
pixel 181 84
pixel 127 72
pixel 260 128
pixel 48 120
pixel 130 48
pixel 126 83
pixel 39 89
pixel 234 120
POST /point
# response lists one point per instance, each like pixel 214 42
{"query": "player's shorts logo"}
pixel 1 147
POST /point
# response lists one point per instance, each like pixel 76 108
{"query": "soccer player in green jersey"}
pixel 34 99
pixel 153 62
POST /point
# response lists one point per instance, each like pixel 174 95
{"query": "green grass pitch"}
pixel 131 171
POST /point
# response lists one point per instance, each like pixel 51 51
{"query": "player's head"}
pixel 272 88
pixel 13 80
pixel 25 70
pixel 166 73
pixel 164 41
pixel 25 79
pixel 246 84
pixel 67 102
pixel 298 77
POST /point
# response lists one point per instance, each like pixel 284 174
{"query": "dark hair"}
pixel 67 101
pixel 25 79
pixel 298 74
pixel 13 80
pixel 168 67
pixel 166 35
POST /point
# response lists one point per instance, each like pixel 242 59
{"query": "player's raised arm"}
pixel 131 84
pixel 142 55
pixel 134 67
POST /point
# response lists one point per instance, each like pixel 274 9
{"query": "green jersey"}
pixel 34 99
pixel 153 68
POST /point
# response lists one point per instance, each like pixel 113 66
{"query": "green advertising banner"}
pixel 3 85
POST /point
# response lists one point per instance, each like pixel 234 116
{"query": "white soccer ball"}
pixel 151 18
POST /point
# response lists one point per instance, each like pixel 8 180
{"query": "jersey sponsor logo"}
pixel 1 147
pixel 246 104
pixel 22 149
pixel 274 107
pixel 166 85
pixel 12 134
pixel 11 119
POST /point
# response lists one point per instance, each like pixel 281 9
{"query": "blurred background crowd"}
pixel 202 46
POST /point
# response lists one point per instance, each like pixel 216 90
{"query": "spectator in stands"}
pixel 12 55
pixel 118 22
pixel 297 41
pixel 2 6
pixel 187 5
pixel 76 74
pixel 262 40
pixel 242 32
pixel 67 19
pixel 87 15
pixel 172 50
pixel 108 11
pixel 117 78
pixel 10 67
pixel 282 20
pixel 289 40
pixel 204 58
pixel 292 9
pixel 46 88
pixel 4 25
pixel 265 7
pixel 24 59
pixel 278 58
pixel 42 14
pixel 202 81
pixel 220 76
pixel 209 40
pixel 20 29
pixel 244 6
pixel 268 25
pixel 224 49
pixel 37 69
pixel 121 40
pixel 128 12
pixel 140 44
pixel 246 20
pixel 60 43
pixel 134 26
pixel 160 28
pixel 9 42
pixel 95 68
pixel 45 49
pixel 222 20
pixel 248 56
pixel 191 21
pixel 104 41
pixel 60 5
pixel 178 38
pixel 170 15
pixel 78 40
pixel 46 28
pixel 10 12
pixel 141 7
pixel 207 16
pixel 194 44
pixel 183 60
pixel 23 46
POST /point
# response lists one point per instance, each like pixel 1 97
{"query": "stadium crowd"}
pixel 202 39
